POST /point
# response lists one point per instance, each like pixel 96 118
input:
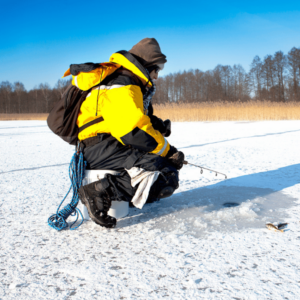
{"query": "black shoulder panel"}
pixel 133 60
pixel 120 79
pixel 139 139
pixel 75 69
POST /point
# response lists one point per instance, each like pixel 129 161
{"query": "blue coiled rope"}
pixel 58 221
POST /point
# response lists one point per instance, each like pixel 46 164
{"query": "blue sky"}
pixel 40 39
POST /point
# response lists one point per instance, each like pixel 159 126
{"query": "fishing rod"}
pixel 201 171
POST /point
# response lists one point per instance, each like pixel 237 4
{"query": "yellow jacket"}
pixel 119 101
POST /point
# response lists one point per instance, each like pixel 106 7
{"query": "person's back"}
pixel 129 138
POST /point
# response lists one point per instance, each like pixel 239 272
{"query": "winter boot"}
pixel 96 196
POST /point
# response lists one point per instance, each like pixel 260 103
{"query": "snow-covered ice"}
pixel 207 241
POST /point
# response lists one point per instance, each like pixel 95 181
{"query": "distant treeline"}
pixel 275 78
pixel 15 99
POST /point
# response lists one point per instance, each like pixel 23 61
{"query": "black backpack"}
pixel 62 119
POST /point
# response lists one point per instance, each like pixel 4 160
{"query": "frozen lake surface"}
pixel 207 241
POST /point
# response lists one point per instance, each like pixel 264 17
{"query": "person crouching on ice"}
pixel 129 139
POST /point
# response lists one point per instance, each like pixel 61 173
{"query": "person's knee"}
pixel 164 186
pixel 172 179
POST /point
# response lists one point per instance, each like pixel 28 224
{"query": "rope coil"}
pixel 58 221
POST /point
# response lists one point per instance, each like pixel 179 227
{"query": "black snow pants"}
pixel 109 154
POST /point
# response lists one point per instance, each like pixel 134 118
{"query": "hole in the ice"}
pixel 231 204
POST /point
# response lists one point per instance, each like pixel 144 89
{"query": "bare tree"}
pixel 6 91
pixel 280 63
pixel 240 83
pixel 256 76
pixel 36 97
pixel 294 66
pixel 61 86
pixel 46 92
pixel 226 76
pixel 268 73
pixel 19 89
pixel 214 83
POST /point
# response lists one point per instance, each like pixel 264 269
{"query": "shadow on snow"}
pixel 256 197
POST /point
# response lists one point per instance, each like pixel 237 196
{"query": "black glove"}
pixel 164 127
pixel 168 128
pixel 175 157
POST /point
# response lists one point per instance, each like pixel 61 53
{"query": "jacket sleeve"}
pixel 122 109
pixel 164 127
